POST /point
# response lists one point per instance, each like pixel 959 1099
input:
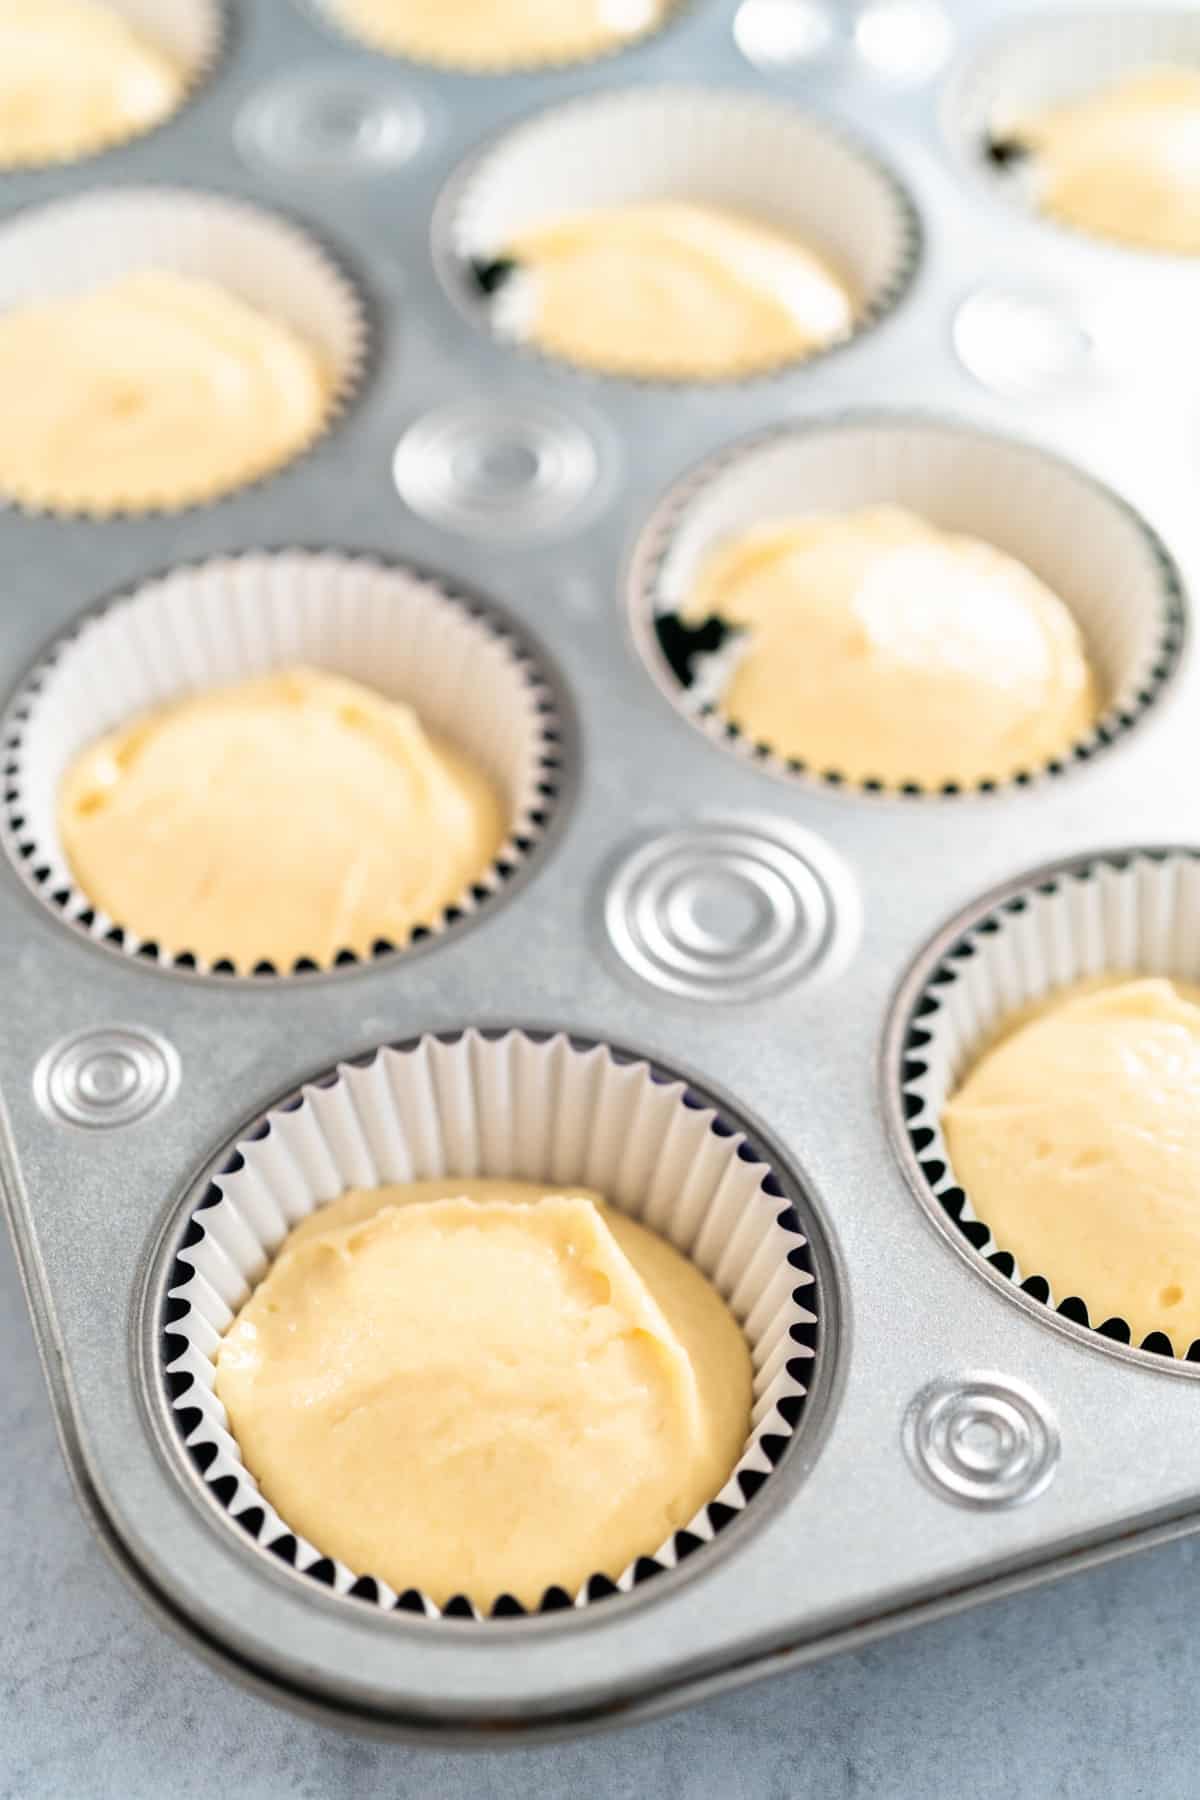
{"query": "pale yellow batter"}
pixel 1124 163
pixel 500 34
pixel 1077 1139
pixel 675 291
pixel 290 816
pixel 484 1387
pixel 885 649
pixel 76 77
pixel 155 390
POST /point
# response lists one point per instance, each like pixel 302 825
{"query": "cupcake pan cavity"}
pixel 216 623
pixel 543 1110
pixel 761 158
pixel 1047 60
pixel 1128 913
pixel 71 245
pixel 1083 541
pixel 132 1097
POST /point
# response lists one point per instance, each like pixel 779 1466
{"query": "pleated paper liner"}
pixel 70 246
pixel 1046 61
pixel 381 26
pixel 190 32
pixel 1081 539
pixel 548 1108
pixel 398 632
pixel 757 157
pixel 1132 912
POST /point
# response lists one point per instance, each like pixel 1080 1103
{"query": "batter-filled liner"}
pixel 535 1107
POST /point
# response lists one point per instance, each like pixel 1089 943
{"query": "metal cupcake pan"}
pixel 953 1443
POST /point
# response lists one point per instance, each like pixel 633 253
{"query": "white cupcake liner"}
pixel 1115 912
pixel 71 246
pixel 191 32
pixel 753 156
pixel 1082 540
pixel 333 14
pixel 217 622
pixel 541 1108
pixel 1051 60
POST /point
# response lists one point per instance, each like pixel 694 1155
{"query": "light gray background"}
pixel 1087 1688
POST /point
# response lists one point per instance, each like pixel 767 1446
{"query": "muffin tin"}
pixel 768 941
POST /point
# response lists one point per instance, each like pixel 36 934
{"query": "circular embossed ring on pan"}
pixel 512 469
pixel 983 1440
pixel 100 1079
pixel 729 909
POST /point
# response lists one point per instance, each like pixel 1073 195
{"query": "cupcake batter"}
pixel 672 290
pixel 294 815
pixel 484 1387
pixel 155 390
pixel 484 35
pixel 1124 163
pixel 75 77
pixel 885 649
pixel 501 34
pixel 1077 1139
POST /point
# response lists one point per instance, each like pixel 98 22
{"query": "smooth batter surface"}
pixel 76 77
pixel 501 34
pixel 484 1387
pixel 1077 1138
pixel 294 815
pixel 156 390
pixel 1124 163
pixel 885 649
pixel 676 291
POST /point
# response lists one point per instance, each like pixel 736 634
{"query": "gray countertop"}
pixel 1084 1689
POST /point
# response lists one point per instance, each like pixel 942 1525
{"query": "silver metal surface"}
pixel 775 34
pixel 904 40
pixel 497 469
pixel 1020 343
pixel 729 911
pixel 982 1440
pixel 107 1078
pixel 323 122
pixel 849 1540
